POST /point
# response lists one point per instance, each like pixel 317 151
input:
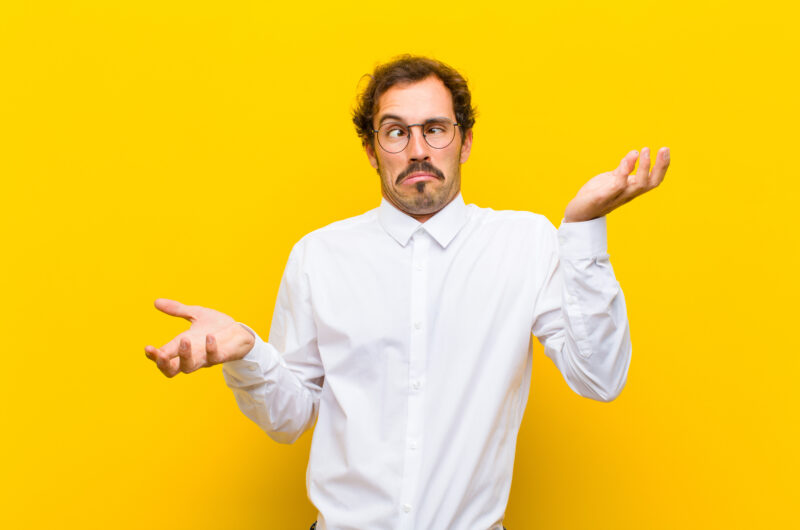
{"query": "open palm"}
pixel 212 338
pixel 607 191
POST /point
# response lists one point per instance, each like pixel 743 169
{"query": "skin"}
pixel 610 190
pixel 419 181
pixel 212 338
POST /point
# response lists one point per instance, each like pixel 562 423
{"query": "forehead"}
pixel 416 102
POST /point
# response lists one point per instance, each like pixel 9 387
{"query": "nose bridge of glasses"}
pixel 421 138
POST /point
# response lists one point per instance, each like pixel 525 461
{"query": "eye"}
pixel 393 131
pixel 435 128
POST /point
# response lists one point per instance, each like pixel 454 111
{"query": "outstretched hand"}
pixel 612 189
pixel 212 338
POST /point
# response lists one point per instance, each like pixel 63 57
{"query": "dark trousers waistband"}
pixel 314 526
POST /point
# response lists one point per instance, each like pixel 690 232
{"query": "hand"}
pixel 212 338
pixel 612 189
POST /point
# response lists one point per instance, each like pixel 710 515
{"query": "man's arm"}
pixel 581 317
pixel 276 384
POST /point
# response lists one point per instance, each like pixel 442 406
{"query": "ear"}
pixel 466 147
pixel 373 160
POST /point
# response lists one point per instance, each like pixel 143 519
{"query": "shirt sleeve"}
pixel 580 316
pixel 278 383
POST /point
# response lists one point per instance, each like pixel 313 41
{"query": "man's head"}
pixel 422 177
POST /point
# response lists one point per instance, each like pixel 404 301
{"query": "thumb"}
pixel 627 164
pixel 174 308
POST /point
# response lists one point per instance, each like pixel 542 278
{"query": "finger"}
pixel 153 353
pixel 169 367
pixel 213 355
pixel 175 308
pixel 660 167
pixel 220 344
pixel 170 350
pixel 638 183
pixel 188 363
pixel 626 164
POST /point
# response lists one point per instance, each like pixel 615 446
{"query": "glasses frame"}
pixel 422 131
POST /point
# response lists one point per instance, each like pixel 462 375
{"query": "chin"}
pixel 424 204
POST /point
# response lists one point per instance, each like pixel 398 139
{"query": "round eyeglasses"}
pixel 393 137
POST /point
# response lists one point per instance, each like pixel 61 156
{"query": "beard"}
pixel 424 197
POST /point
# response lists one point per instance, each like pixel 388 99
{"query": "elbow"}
pixel 589 385
pixel 607 394
pixel 284 437
pixel 612 376
pixel 605 397
pixel 292 427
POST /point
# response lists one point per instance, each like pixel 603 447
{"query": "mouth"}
pixel 419 177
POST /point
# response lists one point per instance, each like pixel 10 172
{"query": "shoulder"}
pixel 511 220
pixel 345 226
pixel 515 231
pixel 338 233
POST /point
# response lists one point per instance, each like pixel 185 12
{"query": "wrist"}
pixel 578 219
pixel 250 331
pixel 246 341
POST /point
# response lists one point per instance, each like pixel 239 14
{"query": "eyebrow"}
pixel 401 120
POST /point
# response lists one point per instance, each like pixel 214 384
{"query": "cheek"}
pixel 449 161
pixel 391 166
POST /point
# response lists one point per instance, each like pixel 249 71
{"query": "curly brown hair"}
pixel 409 69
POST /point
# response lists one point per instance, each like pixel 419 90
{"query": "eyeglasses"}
pixel 393 137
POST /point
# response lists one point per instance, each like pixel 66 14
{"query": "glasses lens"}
pixel 439 133
pixel 393 137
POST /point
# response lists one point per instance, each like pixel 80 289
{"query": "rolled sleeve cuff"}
pixel 584 239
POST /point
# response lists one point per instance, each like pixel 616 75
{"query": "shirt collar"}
pixel 443 226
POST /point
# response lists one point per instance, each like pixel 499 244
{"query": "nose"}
pixel 418 148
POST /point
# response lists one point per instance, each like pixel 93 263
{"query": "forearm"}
pixel 595 352
pixel 591 344
pixel 271 394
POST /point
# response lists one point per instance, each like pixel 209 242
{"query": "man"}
pixel 405 332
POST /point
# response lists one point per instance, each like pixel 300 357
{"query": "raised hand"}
pixel 212 338
pixel 612 189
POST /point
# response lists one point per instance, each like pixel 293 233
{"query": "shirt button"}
pixel 251 368
pixel 418 324
pixel 415 385
pixel 406 508
pixel 419 266
pixel 413 446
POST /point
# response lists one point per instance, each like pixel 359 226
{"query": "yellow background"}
pixel 164 149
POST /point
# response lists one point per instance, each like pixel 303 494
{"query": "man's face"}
pixel 420 180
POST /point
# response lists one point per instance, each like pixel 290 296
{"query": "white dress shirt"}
pixel 410 345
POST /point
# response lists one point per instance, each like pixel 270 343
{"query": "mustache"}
pixel 421 166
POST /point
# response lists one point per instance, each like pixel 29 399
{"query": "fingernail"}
pixel 666 153
pixel 646 151
pixel 210 340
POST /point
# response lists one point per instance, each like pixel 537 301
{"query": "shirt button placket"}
pixel 417 360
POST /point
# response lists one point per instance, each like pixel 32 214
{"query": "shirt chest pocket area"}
pixel 362 323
